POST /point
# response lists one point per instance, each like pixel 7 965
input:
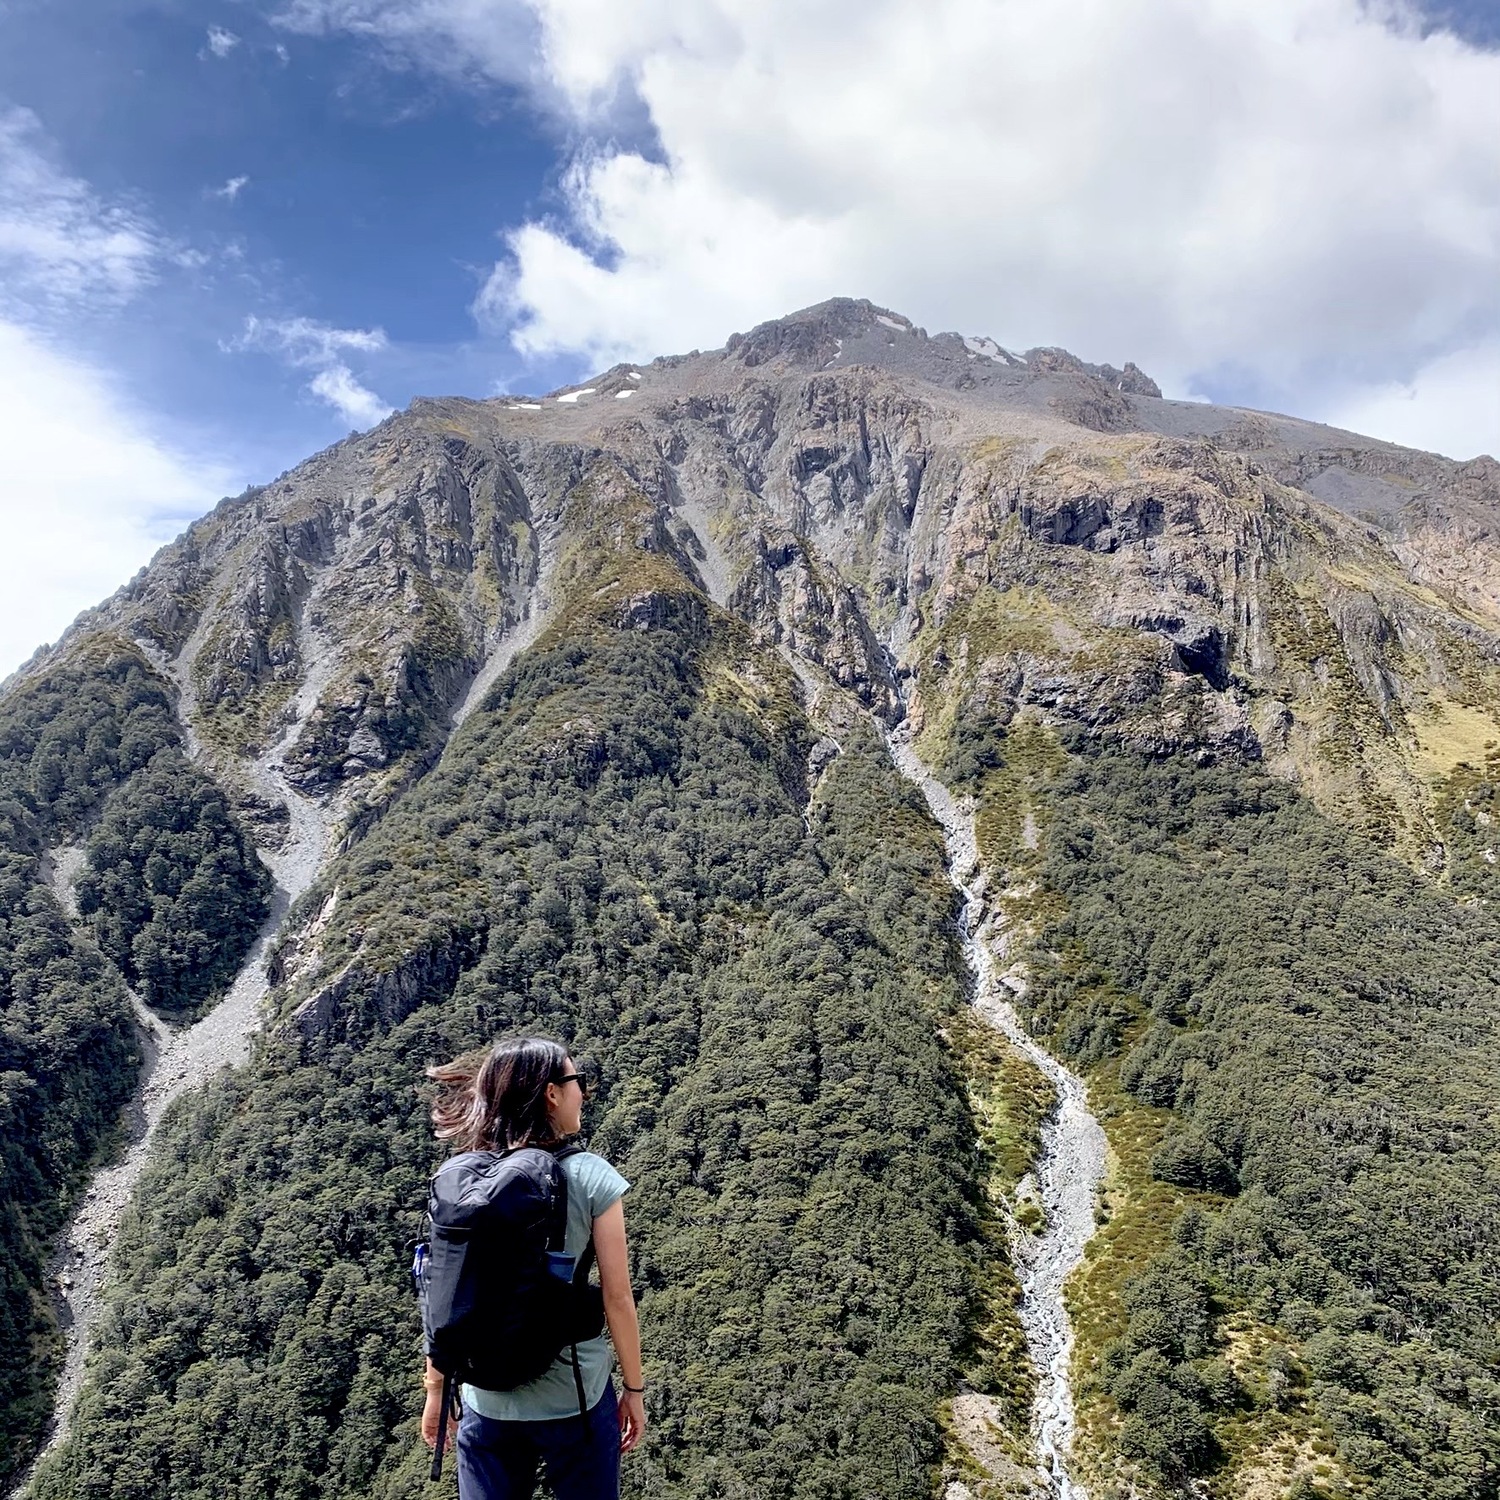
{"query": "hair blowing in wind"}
pixel 495 1099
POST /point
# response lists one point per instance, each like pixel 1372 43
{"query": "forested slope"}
pixel 1317 1030
pixel 614 850
pixel 96 734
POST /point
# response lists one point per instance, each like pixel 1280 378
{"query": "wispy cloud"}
pixel 61 246
pixel 306 341
pixel 220 42
pixel 231 189
pixel 497 38
pixel 306 344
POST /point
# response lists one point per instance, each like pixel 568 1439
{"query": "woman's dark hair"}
pixel 495 1099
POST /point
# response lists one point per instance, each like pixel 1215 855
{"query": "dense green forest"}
pixel 173 890
pixel 67 1065
pixel 620 848
pixel 1324 1025
pixel 67 1048
pixel 617 848
pixel 97 733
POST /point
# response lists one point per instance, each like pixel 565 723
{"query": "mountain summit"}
pixel 843 483
pixel 597 712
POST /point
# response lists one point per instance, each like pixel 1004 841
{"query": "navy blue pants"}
pixel 498 1460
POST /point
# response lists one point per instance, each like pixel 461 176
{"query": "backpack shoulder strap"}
pixel 442 1432
pixel 586 1260
pixel 557 1239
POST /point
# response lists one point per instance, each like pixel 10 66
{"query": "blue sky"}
pixel 1477 21
pixel 299 177
pixel 231 231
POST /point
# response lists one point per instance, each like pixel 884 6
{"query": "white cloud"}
pixel 61 247
pixel 231 189
pixel 1450 406
pixel 358 406
pixel 1305 190
pixel 221 42
pixel 306 344
pixel 1267 181
pixel 90 493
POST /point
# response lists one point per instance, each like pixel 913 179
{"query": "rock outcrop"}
pixel 1015 532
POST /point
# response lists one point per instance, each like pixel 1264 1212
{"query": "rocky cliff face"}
pixel 930 520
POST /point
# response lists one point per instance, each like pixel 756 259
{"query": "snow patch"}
pixel 621 395
pixel 633 375
pixel 588 390
pixel 988 349
pixel 524 406
pixel 892 323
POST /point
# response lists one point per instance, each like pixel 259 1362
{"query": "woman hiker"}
pixel 527 1092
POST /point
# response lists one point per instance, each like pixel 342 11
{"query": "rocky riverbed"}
pixel 1072 1159
pixel 175 1060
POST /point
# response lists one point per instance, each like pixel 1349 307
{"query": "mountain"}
pixel 601 712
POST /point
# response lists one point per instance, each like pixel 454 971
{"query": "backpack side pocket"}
pixel 448 1294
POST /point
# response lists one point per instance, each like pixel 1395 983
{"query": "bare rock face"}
pixel 938 524
pixel 369 582
pixel 337 1009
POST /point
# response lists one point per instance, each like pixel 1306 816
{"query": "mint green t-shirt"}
pixel 593 1187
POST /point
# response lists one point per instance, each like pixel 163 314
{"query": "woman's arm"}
pixel 432 1407
pixel 619 1311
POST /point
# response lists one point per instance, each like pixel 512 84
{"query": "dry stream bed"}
pixel 1071 1163
pixel 174 1060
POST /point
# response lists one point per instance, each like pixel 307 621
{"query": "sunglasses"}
pixel 578 1078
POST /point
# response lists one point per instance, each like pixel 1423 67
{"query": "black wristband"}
pixel 635 1390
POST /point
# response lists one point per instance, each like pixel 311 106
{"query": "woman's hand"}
pixel 632 1419
pixel 432 1414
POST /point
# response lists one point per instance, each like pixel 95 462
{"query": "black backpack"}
pixel 500 1298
